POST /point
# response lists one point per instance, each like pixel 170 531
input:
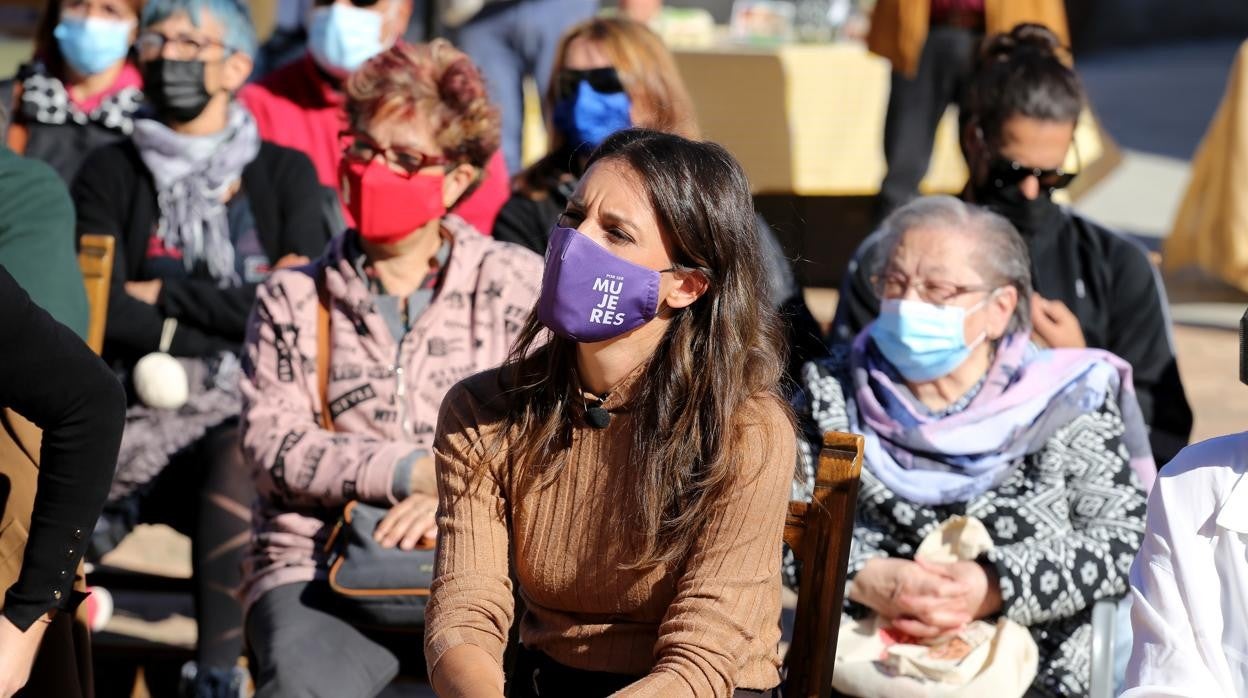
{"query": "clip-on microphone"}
pixel 597 415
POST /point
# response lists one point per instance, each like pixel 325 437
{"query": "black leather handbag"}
pixel 377 587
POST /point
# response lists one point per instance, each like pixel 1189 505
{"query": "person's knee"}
pixel 292 674
pixel 303 651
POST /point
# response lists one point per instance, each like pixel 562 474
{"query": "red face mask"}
pixel 386 205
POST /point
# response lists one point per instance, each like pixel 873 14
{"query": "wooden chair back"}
pixel 95 259
pixel 819 533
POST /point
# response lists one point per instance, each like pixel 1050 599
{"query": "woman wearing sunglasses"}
pixel 416 299
pixel 202 210
pixel 635 466
pixel 610 74
pixel 1094 287
pixel 82 88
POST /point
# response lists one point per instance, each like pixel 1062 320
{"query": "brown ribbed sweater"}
pixel 698 629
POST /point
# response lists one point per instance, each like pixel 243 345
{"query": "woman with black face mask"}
pixel 1093 286
pixel 202 210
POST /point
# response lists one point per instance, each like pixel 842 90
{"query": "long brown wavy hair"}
pixel 719 357
pixel 648 73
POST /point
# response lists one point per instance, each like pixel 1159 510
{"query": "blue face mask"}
pixel 342 37
pixel 923 341
pixel 590 116
pixel 92 45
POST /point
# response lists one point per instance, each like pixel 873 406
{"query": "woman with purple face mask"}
pixel 611 73
pixel 633 456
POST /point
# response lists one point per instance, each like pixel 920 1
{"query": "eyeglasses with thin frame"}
pixel 895 285
pixel 184 47
pixel 361 148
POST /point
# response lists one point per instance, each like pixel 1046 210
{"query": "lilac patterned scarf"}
pixel 1026 397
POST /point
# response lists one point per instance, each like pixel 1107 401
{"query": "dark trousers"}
pixel 537 675
pixel 303 648
pixel 206 493
pixel 915 107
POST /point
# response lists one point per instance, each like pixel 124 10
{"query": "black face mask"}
pixel 1031 216
pixel 176 89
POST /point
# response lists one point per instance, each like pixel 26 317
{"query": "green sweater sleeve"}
pixel 37 239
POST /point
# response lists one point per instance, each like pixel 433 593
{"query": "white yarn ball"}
pixel 161 382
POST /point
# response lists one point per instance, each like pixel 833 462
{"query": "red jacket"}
pixel 299 107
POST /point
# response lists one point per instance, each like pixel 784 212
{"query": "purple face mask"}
pixel 589 294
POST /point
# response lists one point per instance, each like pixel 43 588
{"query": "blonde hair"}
pixel 650 79
pixel 646 69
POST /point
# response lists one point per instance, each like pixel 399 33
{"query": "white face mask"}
pixel 341 38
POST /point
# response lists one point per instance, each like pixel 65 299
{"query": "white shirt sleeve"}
pixel 1179 583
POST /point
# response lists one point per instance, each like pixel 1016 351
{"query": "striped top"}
pixel 700 628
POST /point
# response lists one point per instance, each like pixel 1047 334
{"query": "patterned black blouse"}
pixel 1066 525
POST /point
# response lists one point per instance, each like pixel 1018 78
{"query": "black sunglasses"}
pixel 1003 172
pixel 603 80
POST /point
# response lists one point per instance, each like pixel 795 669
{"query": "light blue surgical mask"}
pixel 92 45
pixel 343 37
pixel 590 117
pixel 924 341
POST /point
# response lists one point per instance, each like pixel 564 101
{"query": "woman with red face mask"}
pixel 416 299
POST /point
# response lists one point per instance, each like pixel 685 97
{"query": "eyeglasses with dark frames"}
pixel 361 147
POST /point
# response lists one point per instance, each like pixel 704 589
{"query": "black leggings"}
pixel 206 493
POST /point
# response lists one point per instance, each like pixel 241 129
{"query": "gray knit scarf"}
pixel 193 175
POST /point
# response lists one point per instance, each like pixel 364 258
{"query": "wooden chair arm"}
pixel 820 534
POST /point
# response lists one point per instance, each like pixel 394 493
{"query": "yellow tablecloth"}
pixel 808 119
pixel 1211 229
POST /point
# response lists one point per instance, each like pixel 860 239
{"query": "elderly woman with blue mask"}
pixel 202 210
pixel 963 416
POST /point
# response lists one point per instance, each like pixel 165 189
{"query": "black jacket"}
pixel 51 378
pixel 115 195
pixel 1109 283
pixel 63 146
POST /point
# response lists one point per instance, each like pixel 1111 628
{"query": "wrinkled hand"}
pixel 981 595
pixel 409 523
pixel 922 602
pixel 146 291
pixel 1054 324
pixel 291 260
pixel 17 654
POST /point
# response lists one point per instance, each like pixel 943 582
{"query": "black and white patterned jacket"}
pixel 1066 524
